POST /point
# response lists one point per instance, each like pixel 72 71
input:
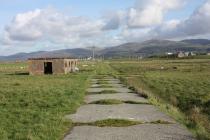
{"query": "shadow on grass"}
pixel 18 73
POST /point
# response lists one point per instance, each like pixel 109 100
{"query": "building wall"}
pixel 36 67
pixel 70 65
pixel 59 66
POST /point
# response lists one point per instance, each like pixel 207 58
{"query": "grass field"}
pixel 183 84
pixel 33 107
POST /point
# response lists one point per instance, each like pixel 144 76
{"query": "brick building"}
pixel 41 66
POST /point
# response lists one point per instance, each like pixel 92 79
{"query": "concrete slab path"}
pixel 117 89
pixel 138 132
pixel 147 114
pixel 117 96
pixel 133 112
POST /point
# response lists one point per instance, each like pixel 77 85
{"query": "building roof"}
pixel 50 58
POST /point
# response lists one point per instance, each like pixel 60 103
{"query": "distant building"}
pixel 41 66
pixel 185 54
pixel 181 54
pixel 192 54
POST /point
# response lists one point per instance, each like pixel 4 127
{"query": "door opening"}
pixel 48 68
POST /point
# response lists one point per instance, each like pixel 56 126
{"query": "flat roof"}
pixel 50 58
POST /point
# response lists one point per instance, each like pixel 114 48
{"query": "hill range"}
pixel 146 48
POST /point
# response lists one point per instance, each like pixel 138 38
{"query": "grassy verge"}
pixel 160 122
pixel 119 123
pixel 33 107
pixel 105 86
pixel 107 102
pixel 102 82
pixel 104 92
pixel 110 123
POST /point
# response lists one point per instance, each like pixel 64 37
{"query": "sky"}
pixel 37 25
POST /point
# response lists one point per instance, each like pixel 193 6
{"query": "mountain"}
pixel 158 47
pixel 197 41
pixel 78 52
pixel 154 47
pixel 121 50
pixel 146 48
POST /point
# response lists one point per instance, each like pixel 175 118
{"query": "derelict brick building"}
pixel 41 66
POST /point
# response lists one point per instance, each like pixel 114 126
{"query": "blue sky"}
pixel 80 23
pixel 186 11
pixel 92 8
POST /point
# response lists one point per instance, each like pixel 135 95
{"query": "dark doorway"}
pixel 48 68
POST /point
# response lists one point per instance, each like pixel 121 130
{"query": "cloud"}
pixel 50 24
pixel 166 30
pixel 135 35
pixel 151 12
pixel 197 24
pixel 142 14
pixel 49 29
pixel 113 23
pixel 113 20
pixel 20 28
